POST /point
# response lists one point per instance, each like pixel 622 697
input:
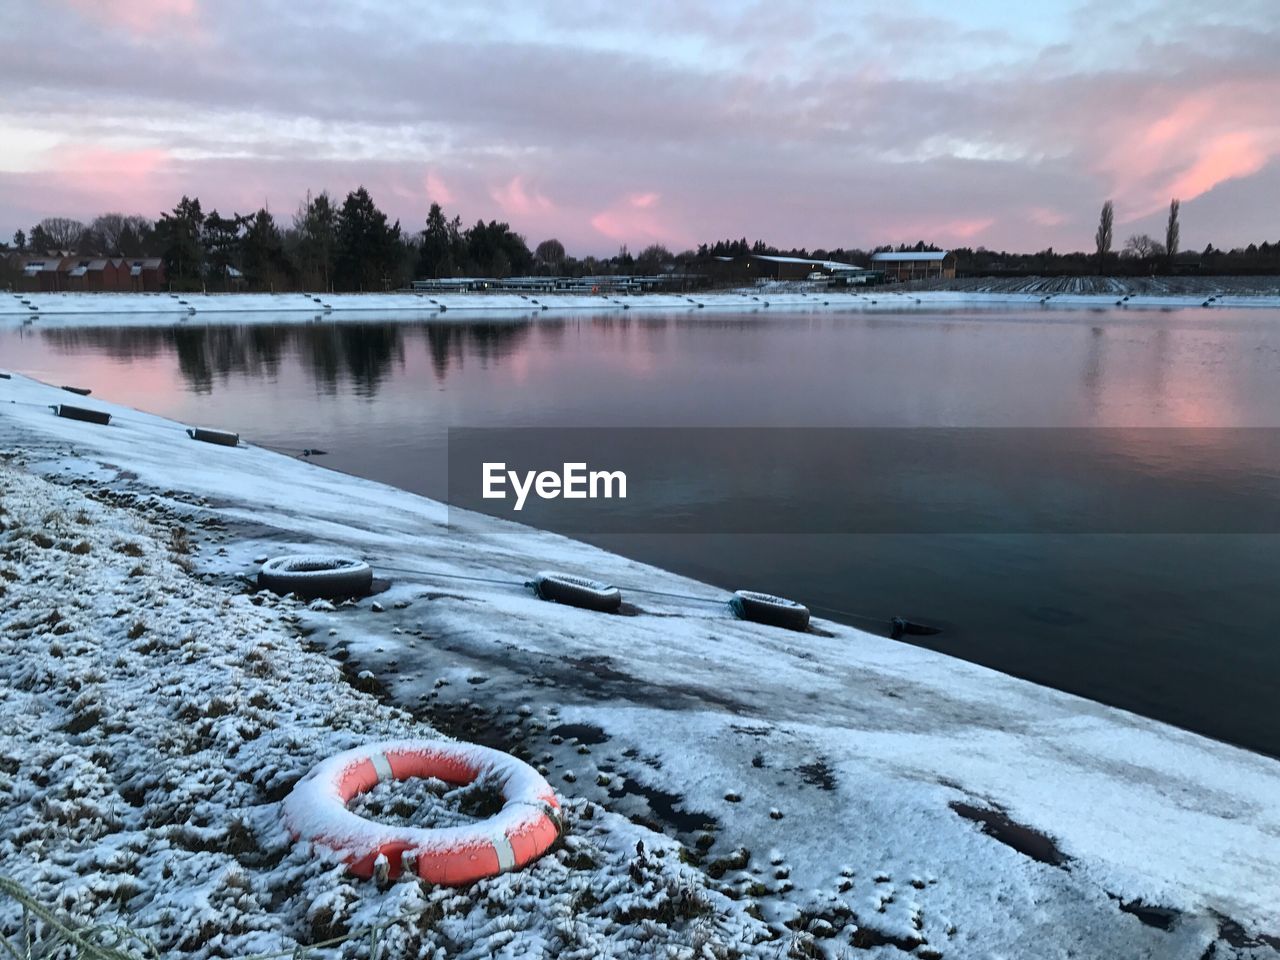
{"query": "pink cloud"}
pixel 637 220
pixel 1188 148
pixel 960 229
pixel 517 200
pixel 1046 216
pixel 437 192
pixel 143 18
pixel 80 181
pixel 965 229
pixel 1223 158
pixel 120 177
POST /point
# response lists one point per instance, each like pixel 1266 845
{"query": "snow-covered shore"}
pixel 150 722
pixel 123 309
pixel 889 797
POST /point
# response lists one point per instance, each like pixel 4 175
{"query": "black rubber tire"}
pixel 221 437
pixel 315 576
pixel 768 609
pixel 68 412
pixel 577 592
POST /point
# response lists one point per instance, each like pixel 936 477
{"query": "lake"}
pixel 1174 620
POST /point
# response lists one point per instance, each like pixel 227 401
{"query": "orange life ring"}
pixel 527 825
pixel 595 289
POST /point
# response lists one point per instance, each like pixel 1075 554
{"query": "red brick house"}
pixel 145 275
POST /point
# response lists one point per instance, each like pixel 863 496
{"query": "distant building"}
pixel 758 266
pixel 59 274
pixel 916 265
pixel 41 275
pixel 99 274
pixel 146 275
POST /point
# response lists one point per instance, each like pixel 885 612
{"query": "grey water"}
pixel 1179 626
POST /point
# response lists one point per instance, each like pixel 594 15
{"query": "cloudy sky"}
pixel 815 123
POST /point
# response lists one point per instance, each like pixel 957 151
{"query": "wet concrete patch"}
pixel 599 678
pixel 666 807
pixel 587 734
pixel 1234 934
pixel 1028 842
pixel 818 774
pixel 1162 918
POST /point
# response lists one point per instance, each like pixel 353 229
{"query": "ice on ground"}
pixel 834 788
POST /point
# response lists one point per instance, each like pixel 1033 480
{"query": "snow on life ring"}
pixel 526 826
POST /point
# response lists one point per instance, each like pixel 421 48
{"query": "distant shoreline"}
pixel 97 309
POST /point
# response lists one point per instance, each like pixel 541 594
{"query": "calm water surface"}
pixel 1178 627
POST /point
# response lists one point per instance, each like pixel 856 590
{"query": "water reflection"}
pixel 360 354
pixel 363 355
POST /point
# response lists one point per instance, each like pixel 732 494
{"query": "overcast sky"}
pixel 816 123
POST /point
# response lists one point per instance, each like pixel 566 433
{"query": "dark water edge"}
pixel 1175 627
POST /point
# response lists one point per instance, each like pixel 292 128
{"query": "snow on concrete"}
pixel 122 309
pixel 849 791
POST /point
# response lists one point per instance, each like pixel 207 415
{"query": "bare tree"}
pixel 63 232
pixel 1142 246
pixel 652 258
pixel 549 252
pixel 1171 230
pixel 1103 237
pixel 108 227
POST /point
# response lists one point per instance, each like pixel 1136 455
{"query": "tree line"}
pixel 353 246
pixel 326 246
pixel 348 247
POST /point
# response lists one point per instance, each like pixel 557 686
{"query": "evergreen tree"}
pixel 1172 230
pixel 180 235
pixel 367 250
pixel 40 242
pixel 493 250
pixel 1103 237
pixel 316 226
pixel 440 241
pixel 263 260
pixel 222 247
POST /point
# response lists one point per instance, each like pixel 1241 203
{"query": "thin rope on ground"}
pixel 676 596
pixel 441 575
pixel 850 614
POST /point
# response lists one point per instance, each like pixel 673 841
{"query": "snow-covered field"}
pixel 832 793
pixel 122 309
pixel 1198 288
